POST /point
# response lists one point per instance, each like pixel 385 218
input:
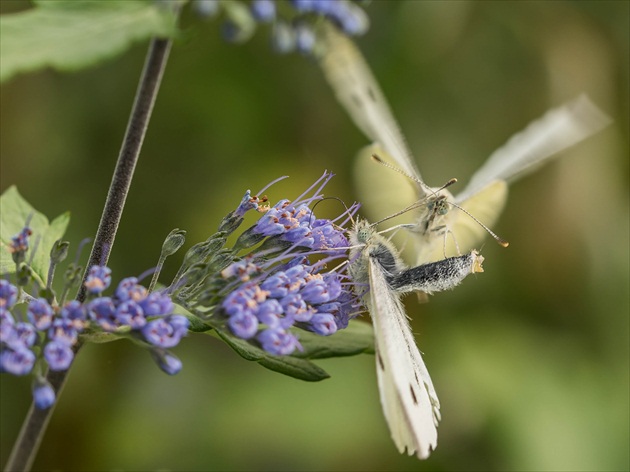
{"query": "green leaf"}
pixel 292 366
pixel 357 338
pixel 14 211
pixel 72 34
pixel 100 337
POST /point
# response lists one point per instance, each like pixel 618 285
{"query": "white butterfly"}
pixel 409 401
pixel 485 195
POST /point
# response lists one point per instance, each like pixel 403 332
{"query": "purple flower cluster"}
pixel 294 28
pixel 347 15
pixel 56 332
pixel 146 314
pixel 296 223
pixel 19 242
pixel 250 202
pixel 262 296
pixel 265 308
pixel 53 330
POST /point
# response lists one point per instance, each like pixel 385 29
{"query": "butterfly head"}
pixel 361 233
pixel 434 213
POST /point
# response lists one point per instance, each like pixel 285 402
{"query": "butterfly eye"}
pixel 442 208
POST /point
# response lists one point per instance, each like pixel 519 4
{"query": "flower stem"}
pixel 36 421
pixel 129 152
pixel 33 429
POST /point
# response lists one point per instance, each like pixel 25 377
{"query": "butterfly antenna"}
pixel 496 237
pixel 348 212
pixel 416 204
pixel 446 185
pixel 376 158
pixel 413 206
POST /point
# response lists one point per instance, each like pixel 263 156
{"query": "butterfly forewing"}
pixel 408 398
pixel 358 91
pixel 382 191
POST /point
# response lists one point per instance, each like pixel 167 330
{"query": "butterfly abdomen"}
pixel 437 276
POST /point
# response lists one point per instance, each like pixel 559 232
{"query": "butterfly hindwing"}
pixel 558 129
pixel 485 205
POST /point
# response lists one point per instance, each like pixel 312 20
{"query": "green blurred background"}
pixel 530 359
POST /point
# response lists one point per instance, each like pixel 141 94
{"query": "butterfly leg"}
pixel 445 231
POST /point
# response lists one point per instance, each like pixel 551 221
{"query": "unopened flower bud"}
pixel 173 242
pixel 43 394
pixel 59 251
pixel 166 361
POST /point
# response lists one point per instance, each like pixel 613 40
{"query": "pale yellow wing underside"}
pixel 486 205
pixel 384 192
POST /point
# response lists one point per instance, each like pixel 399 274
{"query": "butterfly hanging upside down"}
pixel 408 398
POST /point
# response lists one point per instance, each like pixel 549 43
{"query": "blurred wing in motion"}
pixel 358 91
pixel 559 129
pixel 383 191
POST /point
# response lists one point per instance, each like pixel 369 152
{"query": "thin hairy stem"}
pixel 34 426
pixel 129 153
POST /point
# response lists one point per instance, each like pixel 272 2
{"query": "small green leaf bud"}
pixel 173 242
pixel 230 223
pixel 249 238
pixel 59 251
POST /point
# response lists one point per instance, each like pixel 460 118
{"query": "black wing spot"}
pixel 415 374
pixel 380 361
pixel 357 100
pixel 371 94
pixel 413 394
